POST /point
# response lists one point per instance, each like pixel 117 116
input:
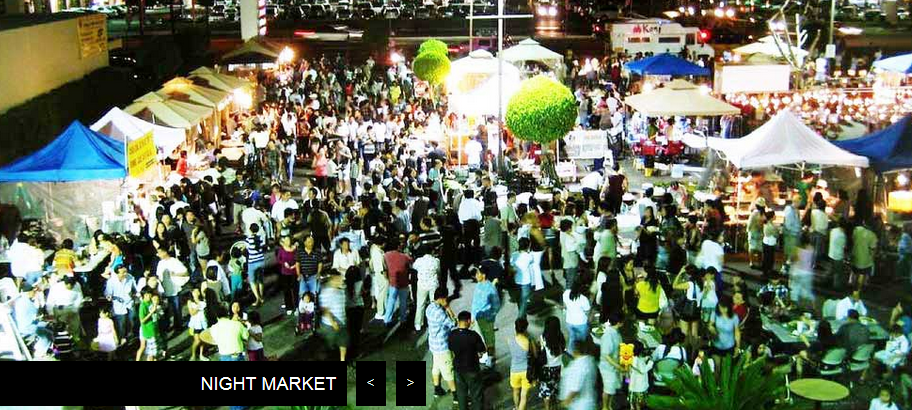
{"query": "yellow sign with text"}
pixel 141 154
pixel 93 34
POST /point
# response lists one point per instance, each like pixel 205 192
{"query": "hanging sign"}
pixel 141 155
pixel 92 31
pixel 586 144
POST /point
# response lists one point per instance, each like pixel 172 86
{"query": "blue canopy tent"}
pixel 92 168
pixel 901 63
pixel 888 149
pixel 78 154
pixel 665 64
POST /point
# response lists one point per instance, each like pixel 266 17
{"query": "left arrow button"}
pixel 370 382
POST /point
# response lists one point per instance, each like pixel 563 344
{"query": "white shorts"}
pixel 611 380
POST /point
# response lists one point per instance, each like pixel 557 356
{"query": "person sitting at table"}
pixel 774 295
pixel 852 301
pixel 884 399
pixel 895 352
pixel 852 334
pixel 815 350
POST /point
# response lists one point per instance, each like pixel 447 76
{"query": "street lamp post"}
pixel 500 17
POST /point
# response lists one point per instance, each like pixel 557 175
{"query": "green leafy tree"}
pixel 744 384
pixel 543 110
pixel 434 46
pixel 432 67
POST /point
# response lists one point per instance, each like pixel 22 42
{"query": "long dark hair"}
pixel 652 277
pixel 352 276
pixel 554 337
pixel 577 289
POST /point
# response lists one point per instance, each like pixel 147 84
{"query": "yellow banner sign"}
pixel 93 34
pixel 141 154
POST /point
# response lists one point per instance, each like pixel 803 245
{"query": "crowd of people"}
pixel 373 234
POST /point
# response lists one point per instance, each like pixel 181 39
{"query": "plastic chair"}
pixel 829 309
pixel 832 362
pixel 861 359
pixel 664 371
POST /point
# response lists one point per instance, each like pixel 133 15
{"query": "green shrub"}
pixel 431 67
pixel 434 46
pixel 542 111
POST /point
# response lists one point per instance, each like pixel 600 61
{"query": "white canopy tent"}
pixel 766 46
pixel 784 140
pixel 120 125
pixel 169 112
pixel 531 50
pixel 473 84
pixel 679 97
pixel 218 81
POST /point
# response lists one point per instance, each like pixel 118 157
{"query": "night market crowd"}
pixel 377 234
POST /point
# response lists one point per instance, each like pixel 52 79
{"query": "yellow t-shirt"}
pixel 648 301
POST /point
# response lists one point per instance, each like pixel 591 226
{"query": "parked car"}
pixel 391 13
pixel 426 12
pixel 343 12
pixel 364 11
pixel 407 12
pixel 317 11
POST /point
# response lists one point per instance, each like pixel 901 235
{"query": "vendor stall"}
pixel 530 50
pixel 120 125
pixel 899 64
pixel 67 182
pixel 183 89
pixel 666 64
pixel 161 110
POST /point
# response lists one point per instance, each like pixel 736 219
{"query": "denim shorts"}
pixel 255 271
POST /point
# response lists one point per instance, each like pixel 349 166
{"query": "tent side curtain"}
pixel 888 149
pixel 77 154
pixel 119 125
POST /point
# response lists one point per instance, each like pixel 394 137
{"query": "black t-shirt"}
pixel 466 345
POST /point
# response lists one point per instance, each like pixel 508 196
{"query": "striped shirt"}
pixel 255 250
pixel 309 262
pixel 439 326
pixel 429 241
pixel 332 300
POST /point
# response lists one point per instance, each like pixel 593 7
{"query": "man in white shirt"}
pixel 470 215
pixel 174 275
pixel 473 150
pixel 26 259
pixel 250 216
pixel 428 267
pixel 290 123
pixel 592 185
pixel 279 207
pixel 851 302
pixel 64 301
pixel 260 138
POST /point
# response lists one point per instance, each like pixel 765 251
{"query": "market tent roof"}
pixel 216 80
pixel 120 125
pixel 888 149
pixel 253 51
pixel 784 140
pixel 182 88
pixel 169 112
pixel 77 154
pixel 473 84
pixel 679 97
pixel 767 46
pixel 531 50
pixel 901 63
pixel 665 64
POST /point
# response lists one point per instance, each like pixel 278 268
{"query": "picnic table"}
pixel 788 333
pixel 819 390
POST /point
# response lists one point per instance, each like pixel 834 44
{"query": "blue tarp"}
pixel 888 149
pixel 901 63
pixel 665 64
pixel 78 154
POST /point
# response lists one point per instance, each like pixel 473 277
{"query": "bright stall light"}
pixel 243 99
pixel 730 13
pixel 542 10
pixel 552 11
pixel 719 13
pixel 396 58
pixel 286 56
pixel 690 10
pixel 902 180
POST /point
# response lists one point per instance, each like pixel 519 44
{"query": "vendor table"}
pixel 646 334
pixel 787 333
pixel 819 390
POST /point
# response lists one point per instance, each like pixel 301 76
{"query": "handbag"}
pixel 535 366
pixel 688 308
pixel 663 299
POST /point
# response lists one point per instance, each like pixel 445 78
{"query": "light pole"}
pixel 500 17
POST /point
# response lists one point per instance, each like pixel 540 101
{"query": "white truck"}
pixel 656 36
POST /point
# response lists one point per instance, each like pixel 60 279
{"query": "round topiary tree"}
pixel 434 46
pixel 543 110
pixel 431 67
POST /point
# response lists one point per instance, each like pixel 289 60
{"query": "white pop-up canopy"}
pixel 120 125
pixel 217 80
pixel 784 140
pixel 473 84
pixel 679 97
pixel 767 47
pixel 531 50
pixel 165 111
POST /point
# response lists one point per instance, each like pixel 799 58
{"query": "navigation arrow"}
pixel 371 382
pixel 409 382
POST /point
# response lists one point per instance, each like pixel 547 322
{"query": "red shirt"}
pixel 397 264
pixel 546 220
pixel 182 166
pixel 741 311
pixel 289 258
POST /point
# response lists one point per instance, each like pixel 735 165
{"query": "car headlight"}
pixel 542 11
pixel 552 11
